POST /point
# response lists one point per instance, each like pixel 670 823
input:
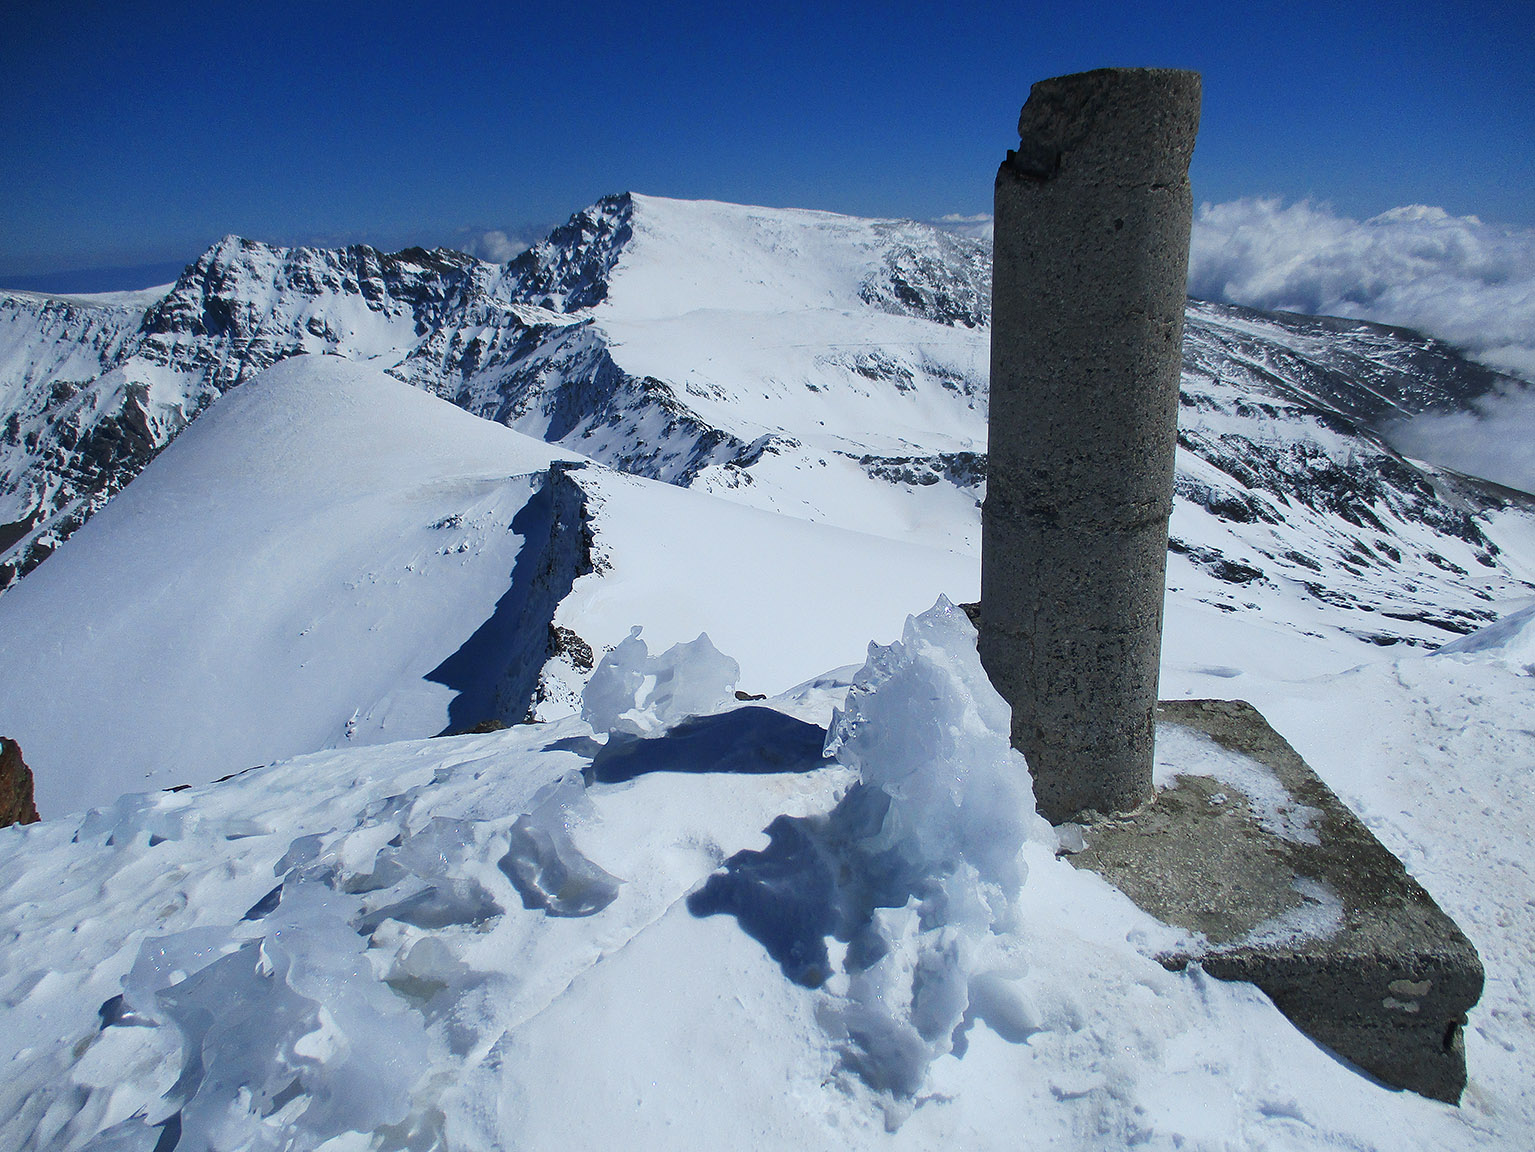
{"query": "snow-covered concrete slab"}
pixel 1244 847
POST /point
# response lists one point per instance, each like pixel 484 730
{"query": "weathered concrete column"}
pixel 1093 214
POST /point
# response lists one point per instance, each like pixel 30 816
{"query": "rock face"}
pixel 16 805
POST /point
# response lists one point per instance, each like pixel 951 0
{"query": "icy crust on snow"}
pixel 925 728
pixel 341 944
pixel 337 952
pixel 633 693
pixel 543 862
pixel 933 835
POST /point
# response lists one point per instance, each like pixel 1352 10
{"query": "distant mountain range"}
pixel 821 366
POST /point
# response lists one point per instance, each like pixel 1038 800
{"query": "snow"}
pixel 633 693
pixel 1183 752
pixel 1511 640
pixel 786 598
pixel 794 350
pixel 663 915
pixel 285 577
pixel 339 948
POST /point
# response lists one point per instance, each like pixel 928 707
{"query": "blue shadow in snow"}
pixel 814 880
pixel 493 671
pixel 742 741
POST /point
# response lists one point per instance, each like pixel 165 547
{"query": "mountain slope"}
pixel 814 365
pixel 330 558
pixel 294 573
pixel 549 935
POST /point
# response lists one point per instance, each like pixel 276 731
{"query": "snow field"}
pixel 337 946
pixel 286 577
pixel 710 937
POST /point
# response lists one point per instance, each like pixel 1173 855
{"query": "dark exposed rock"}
pixel 962 469
pixel 564 642
pixel 948 281
pixel 569 270
pixel 16 806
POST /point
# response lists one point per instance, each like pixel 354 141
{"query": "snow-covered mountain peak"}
pixel 286 576
pixel 689 255
pixel 652 256
pixel 801 362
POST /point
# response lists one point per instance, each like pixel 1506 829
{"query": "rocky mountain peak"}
pixel 568 270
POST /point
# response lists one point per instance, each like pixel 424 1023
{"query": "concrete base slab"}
pixel 1277 883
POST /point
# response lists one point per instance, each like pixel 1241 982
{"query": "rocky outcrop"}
pixel 16 806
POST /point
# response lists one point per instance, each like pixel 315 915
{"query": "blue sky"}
pixel 136 134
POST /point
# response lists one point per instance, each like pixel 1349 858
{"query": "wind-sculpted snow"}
pixel 460 943
pixel 633 693
pixel 348 996
pixel 542 861
pixel 1511 640
pixel 916 872
pixel 411 931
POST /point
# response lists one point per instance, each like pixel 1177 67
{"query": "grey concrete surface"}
pixel 1348 945
pixel 1093 213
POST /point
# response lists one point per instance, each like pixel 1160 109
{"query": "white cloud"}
pixel 1469 283
pixel 977 227
pixel 493 244
pixel 1496 441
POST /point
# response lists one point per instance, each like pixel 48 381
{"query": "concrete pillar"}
pixel 1090 260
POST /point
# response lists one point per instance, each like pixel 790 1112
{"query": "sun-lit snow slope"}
pixel 375 947
pixel 787 598
pixel 798 361
pixel 807 324
pixel 843 361
pixel 94 387
pixel 286 578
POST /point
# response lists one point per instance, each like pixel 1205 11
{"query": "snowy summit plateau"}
pixel 482 706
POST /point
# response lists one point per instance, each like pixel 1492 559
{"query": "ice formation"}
pixel 309 1017
pixel 928 735
pixel 544 865
pixel 924 727
pixel 633 693
pixel 917 870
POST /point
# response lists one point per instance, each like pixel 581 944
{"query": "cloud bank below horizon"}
pixel 1457 278
pixel 1469 283
pixel 1466 282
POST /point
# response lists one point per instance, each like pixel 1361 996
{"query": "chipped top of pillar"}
pixel 1111 125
